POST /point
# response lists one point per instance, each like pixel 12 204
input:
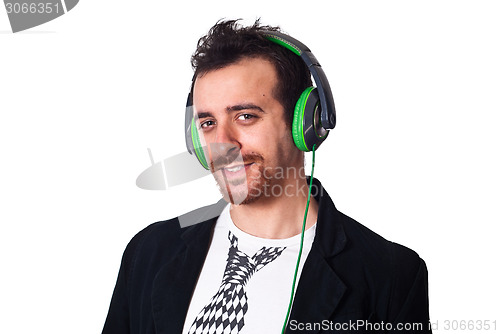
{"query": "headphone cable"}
pixel 301 242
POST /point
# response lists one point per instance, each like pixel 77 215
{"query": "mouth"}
pixel 235 170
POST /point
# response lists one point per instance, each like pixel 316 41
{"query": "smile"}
pixel 237 168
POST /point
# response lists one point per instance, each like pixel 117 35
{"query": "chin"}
pixel 240 192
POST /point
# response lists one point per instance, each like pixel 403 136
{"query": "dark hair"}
pixel 227 42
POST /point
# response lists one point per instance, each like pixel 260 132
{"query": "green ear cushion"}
pixel 197 145
pixel 298 120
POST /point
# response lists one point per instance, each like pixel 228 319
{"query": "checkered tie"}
pixel 225 311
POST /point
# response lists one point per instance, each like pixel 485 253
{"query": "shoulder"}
pixel 355 246
pixel 167 234
pixel 376 250
pixel 161 241
pixel 162 232
pixel 392 274
pixel 154 242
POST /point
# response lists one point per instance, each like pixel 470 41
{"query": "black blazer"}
pixel 352 281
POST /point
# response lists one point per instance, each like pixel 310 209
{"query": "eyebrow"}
pixel 236 107
pixel 245 106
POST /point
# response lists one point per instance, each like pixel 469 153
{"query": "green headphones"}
pixel 314 113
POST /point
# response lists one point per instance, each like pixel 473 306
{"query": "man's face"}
pixel 243 127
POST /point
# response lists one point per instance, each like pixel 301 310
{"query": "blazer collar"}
pixel 330 236
pixel 317 294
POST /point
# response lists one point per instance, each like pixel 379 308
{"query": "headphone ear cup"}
pixel 306 126
pixel 197 146
pixel 298 120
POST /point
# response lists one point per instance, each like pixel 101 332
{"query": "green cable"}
pixel 301 242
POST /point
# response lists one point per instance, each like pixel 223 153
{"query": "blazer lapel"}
pixel 318 293
pixel 175 282
pixel 320 289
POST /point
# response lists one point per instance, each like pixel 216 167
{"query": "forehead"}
pixel 247 80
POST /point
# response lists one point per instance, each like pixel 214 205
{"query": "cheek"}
pixel 280 131
pixel 271 139
pixel 285 139
pixel 258 139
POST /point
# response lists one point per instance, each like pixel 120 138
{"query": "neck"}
pixel 277 217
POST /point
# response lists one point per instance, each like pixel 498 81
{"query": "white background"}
pixel 414 156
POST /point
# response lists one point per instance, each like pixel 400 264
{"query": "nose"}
pixel 225 134
pixel 225 148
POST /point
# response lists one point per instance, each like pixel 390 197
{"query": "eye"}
pixel 245 117
pixel 207 124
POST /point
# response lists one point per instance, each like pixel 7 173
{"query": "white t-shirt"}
pixel 246 281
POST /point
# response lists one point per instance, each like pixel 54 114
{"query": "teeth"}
pixel 234 169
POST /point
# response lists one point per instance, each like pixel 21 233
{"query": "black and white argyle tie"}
pixel 226 309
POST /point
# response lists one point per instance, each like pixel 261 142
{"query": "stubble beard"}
pixel 247 189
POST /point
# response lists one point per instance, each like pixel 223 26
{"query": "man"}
pixel 237 272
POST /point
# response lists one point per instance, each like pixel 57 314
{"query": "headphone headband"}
pixel 328 114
